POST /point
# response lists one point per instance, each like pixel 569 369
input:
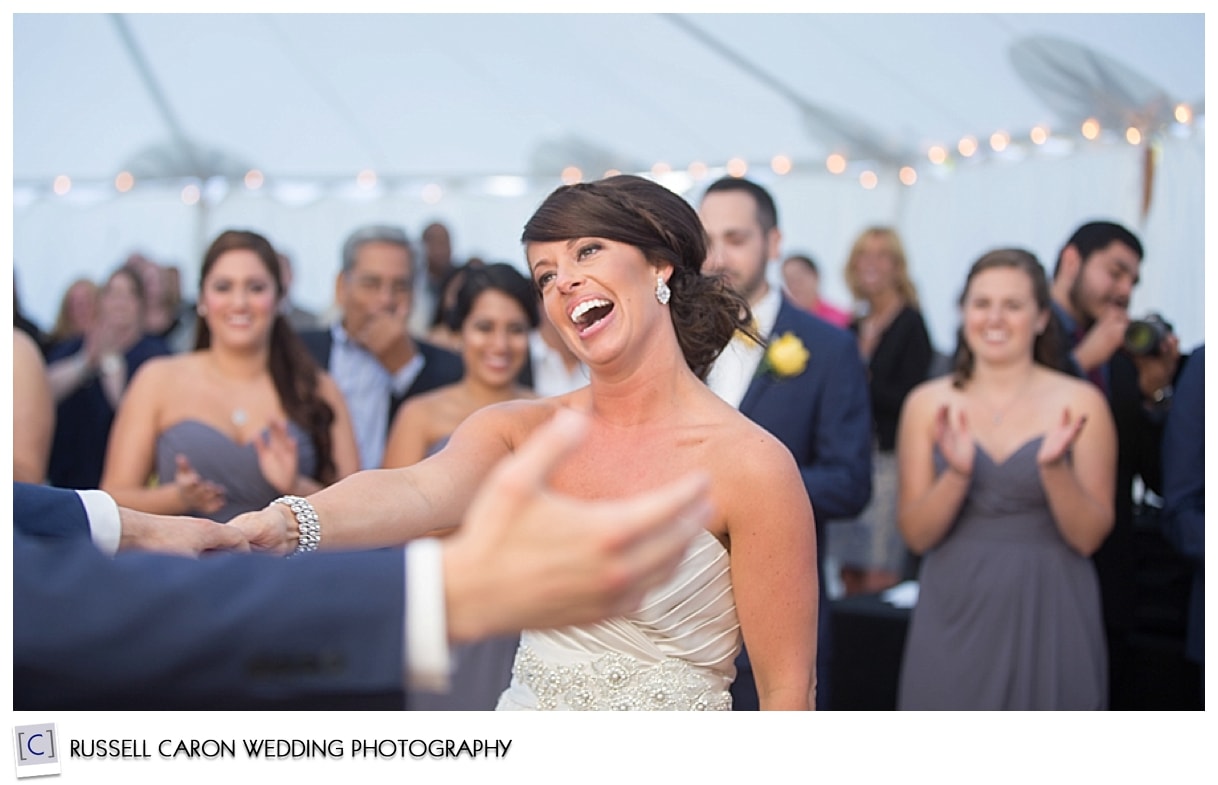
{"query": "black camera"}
pixel 1143 336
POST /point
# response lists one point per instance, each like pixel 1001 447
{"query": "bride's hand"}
pixel 271 529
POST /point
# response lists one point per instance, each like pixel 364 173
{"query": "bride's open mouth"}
pixel 588 314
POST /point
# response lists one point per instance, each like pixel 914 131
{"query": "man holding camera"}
pixel 1134 363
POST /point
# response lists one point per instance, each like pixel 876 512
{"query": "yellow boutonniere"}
pixel 785 357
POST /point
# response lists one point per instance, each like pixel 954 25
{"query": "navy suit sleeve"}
pixel 1184 462
pixel 147 631
pixel 839 478
pixel 42 511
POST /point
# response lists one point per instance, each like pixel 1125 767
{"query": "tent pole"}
pixel 158 96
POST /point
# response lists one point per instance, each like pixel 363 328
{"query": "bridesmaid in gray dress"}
pixel 244 418
pixel 1006 470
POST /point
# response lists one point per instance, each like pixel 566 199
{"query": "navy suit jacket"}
pixel 823 416
pixel 1184 489
pixel 231 631
pixel 440 366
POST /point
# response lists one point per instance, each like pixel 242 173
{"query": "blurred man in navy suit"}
pixel 819 408
pixel 327 630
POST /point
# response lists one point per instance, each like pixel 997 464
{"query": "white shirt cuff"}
pixel 428 662
pixel 104 524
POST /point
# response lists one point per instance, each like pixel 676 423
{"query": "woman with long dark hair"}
pixel 244 418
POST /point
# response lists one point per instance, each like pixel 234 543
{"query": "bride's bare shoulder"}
pixel 740 442
pixel 516 419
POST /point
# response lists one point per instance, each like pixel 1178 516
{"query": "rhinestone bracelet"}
pixel 306 523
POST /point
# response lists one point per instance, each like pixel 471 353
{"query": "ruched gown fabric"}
pixel 677 652
pixel 1008 615
pixel 233 465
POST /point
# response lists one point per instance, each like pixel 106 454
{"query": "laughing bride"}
pixel 618 266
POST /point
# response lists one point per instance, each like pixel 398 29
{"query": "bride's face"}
pixel 600 294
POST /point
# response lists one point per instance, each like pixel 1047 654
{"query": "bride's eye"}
pixel 587 250
pixel 544 279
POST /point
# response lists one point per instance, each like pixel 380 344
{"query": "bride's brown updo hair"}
pixel 705 310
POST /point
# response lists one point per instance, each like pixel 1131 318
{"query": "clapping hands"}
pixel 197 493
pixel 1057 442
pixel 277 457
pixel 954 440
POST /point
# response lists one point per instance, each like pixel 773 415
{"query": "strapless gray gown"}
pixel 218 458
pixel 677 652
pixel 1008 615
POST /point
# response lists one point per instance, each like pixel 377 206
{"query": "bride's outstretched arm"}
pixel 384 507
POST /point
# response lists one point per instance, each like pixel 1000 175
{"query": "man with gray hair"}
pixel 369 351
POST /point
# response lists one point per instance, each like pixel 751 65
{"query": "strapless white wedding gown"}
pixel 676 653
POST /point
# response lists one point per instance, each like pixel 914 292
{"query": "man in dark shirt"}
pixel 1093 281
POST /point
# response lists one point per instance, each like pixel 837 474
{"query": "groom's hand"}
pixel 527 558
pixel 179 535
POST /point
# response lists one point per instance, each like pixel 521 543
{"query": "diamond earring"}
pixel 663 293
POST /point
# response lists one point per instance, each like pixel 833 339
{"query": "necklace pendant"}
pixel 239 417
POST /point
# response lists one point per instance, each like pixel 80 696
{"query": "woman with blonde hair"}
pixel 90 375
pixel 895 345
pixel 77 311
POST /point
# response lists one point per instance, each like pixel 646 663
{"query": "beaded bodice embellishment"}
pixel 617 682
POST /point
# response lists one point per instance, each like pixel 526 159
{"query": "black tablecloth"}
pixel 868 639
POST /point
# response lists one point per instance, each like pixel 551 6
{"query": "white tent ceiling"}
pixel 449 102
pixel 437 96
